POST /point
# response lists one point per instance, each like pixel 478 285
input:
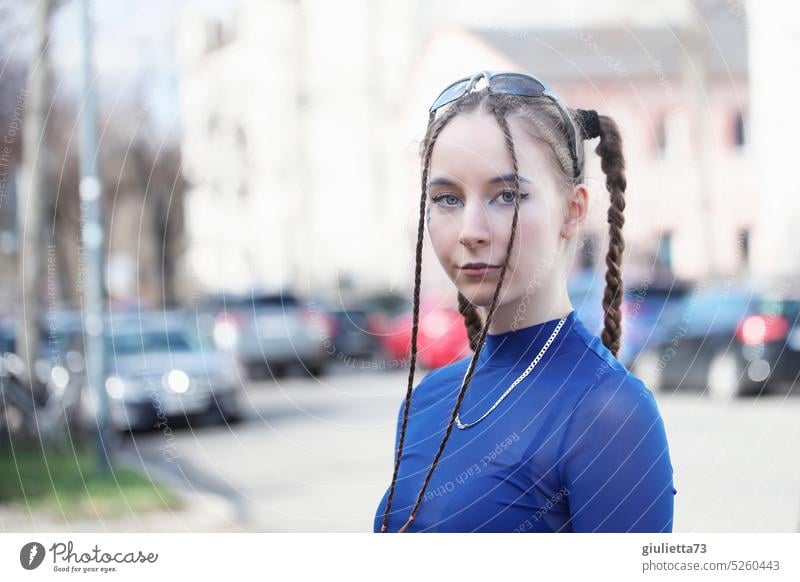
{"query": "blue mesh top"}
pixel 578 446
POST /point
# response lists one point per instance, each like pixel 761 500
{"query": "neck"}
pixel 530 309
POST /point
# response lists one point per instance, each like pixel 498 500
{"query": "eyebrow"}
pixel 495 180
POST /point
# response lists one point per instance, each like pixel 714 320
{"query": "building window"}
pixel 743 242
pixel 672 135
pixel 241 137
pixel 218 33
pixel 739 130
pixel 213 122
pixel 661 136
pixel 664 251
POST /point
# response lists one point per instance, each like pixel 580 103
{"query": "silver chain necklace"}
pixel 521 377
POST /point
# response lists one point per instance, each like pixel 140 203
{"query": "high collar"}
pixel 520 346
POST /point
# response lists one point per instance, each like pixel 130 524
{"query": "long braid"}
pixel 472 320
pixel 612 162
pixel 501 120
pixel 415 318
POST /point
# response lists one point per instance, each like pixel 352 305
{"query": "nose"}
pixel 475 229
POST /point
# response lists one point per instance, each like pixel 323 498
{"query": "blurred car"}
pixel 382 309
pixel 156 368
pixel 18 402
pixel 442 337
pixel 730 341
pixel 268 332
pixel 645 304
pixel 7 335
pixel 352 334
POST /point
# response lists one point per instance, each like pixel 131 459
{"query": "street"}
pixel 316 455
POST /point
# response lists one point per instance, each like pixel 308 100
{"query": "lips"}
pixel 478 266
pixel 478 269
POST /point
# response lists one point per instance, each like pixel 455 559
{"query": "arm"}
pixel 615 460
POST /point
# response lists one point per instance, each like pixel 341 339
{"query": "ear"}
pixel 577 207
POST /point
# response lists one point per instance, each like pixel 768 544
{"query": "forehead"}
pixel 472 149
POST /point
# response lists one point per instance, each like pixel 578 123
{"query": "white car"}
pixel 157 369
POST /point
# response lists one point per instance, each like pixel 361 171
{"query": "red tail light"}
pixel 762 328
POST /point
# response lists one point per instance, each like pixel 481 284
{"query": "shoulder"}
pixel 612 396
pixel 616 398
pixel 615 417
pixel 610 379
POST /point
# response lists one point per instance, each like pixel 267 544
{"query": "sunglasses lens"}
pixel 450 94
pixel 518 85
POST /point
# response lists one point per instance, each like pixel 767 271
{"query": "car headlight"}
pixel 130 388
pixel 176 381
pixel 115 387
pixel 60 378
pixel 225 334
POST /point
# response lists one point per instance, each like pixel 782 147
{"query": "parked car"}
pixel 442 337
pixel 728 341
pixel 7 335
pixel 352 335
pixel 645 304
pixel 156 368
pixel 268 332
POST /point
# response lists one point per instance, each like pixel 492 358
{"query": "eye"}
pixel 449 199
pixel 507 196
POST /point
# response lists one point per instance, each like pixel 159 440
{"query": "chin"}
pixel 479 295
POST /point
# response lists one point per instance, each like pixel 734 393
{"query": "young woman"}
pixel 542 429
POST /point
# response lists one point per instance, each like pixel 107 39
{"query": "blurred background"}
pixel 207 227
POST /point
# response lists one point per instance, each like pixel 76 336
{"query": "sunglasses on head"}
pixel 514 84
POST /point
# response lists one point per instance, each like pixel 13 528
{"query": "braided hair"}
pixel 544 123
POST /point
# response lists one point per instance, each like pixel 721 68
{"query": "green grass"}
pixel 70 485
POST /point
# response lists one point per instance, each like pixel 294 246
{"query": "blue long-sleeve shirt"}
pixel 578 446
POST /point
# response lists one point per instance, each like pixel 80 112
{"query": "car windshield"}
pixel 150 341
pixel 249 302
pixel 790 309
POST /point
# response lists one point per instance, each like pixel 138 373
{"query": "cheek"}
pixel 534 241
pixel 443 233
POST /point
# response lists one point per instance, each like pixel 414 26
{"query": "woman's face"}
pixel 471 207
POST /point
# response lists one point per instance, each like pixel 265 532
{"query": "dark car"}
pixel 351 334
pixel 268 332
pixel 7 335
pixel 646 303
pixel 730 341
